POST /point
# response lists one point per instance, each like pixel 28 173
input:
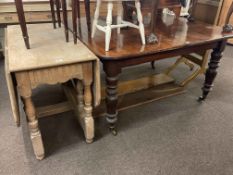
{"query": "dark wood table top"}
pixel 173 33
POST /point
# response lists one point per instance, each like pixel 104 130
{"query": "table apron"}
pixel 161 55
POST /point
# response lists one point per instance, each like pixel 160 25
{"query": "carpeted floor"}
pixel 173 136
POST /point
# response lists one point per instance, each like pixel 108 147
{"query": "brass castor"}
pixel 113 130
pixel 201 99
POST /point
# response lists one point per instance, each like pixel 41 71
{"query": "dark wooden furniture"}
pixel 155 7
pixel 36 11
pixel 22 21
pixel 126 51
pixel 75 5
pixel 169 4
pixel 57 3
pixel 174 5
pixel 192 10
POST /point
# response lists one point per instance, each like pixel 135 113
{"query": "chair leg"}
pixel 58 12
pixel 190 78
pixel 108 31
pixel 96 17
pixel 152 64
pixel 53 13
pixel 140 20
pixel 192 10
pixel 64 12
pixel 171 68
pixel 88 14
pixel 74 19
pixel 22 22
pixel 78 9
pixel 189 64
pixel 35 133
pixel 229 14
pixel 119 15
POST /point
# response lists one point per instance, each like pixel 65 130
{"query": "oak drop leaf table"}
pixel 51 61
pixel 176 36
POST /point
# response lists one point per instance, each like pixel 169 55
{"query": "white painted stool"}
pixel 120 23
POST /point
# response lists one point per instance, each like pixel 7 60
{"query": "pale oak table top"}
pixel 48 49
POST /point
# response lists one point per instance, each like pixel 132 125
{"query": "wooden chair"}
pixel 228 27
pixel 22 20
pixel 192 10
pixel 199 59
pixel 57 4
pixel 129 7
pixel 120 23
pixel 76 14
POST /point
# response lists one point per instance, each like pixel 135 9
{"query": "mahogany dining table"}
pixel 176 36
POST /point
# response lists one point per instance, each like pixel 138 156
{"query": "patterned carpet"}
pixel 173 136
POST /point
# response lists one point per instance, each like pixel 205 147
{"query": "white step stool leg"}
pixel 108 31
pixel 119 15
pixel 140 20
pixel 96 17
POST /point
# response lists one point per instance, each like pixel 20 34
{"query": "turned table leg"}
pixel 22 22
pixel 26 92
pixel 211 72
pixel 79 87
pixel 84 98
pixel 33 127
pixel 112 72
pixel 88 118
